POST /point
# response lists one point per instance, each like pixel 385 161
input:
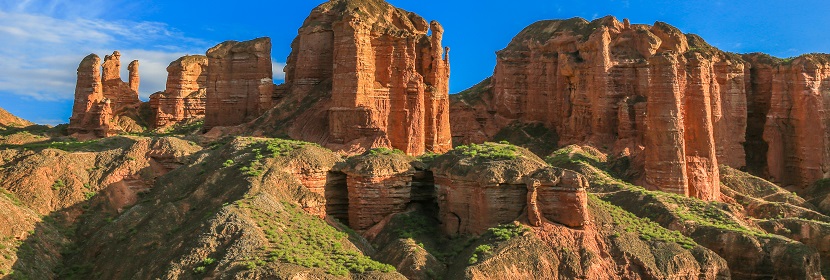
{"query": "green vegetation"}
pixel 300 239
pixel 71 145
pixel 228 163
pixel 428 158
pixel 13 198
pixel 647 229
pixel 271 147
pixel 482 250
pixel 59 184
pixel 385 151
pixel 507 231
pixel 89 195
pixel 489 151
pixel 568 156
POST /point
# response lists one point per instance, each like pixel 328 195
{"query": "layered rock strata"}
pixel 650 92
pixel 185 96
pixel 790 120
pixel 91 111
pixel 124 95
pixel 380 183
pixel 101 95
pixel 239 82
pixel 475 194
pixel 365 74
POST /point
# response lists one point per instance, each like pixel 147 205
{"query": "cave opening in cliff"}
pixel 337 197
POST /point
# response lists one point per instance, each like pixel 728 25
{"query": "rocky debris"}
pixel 481 186
pixel 792 97
pixel 364 74
pixel 239 82
pixel 184 98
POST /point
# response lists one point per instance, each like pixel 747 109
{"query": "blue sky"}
pixel 42 41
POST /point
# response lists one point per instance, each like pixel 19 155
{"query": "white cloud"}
pixel 41 53
pixel 279 73
pixel 45 40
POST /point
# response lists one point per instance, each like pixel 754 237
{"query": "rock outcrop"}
pixel 239 82
pixel 648 92
pixel 364 74
pixel 101 96
pixel 184 98
pixel 91 112
pixel 378 185
pixel 482 186
pixel 792 141
pixel 124 95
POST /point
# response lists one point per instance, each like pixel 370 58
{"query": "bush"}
pixel 507 231
pixel 228 163
pixel 489 151
pixel 58 185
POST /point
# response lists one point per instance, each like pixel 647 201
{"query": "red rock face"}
pixel 373 198
pixel 91 112
pixel 795 97
pixel 559 196
pixel 624 88
pixel 552 195
pixel 184 98
pixel 101 95
pixel 123 95
pixel 239 82
pixel 376 78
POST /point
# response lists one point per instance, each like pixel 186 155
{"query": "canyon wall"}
pixel 364 74
pixel 185 96
pixel 790 112
pixel 596 82
pixel 239 82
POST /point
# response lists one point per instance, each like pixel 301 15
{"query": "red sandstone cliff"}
pixel 101 96
pixel 651 92
pixel 365 74
pixel 790 119
pixel 184 98
pixel 239 82
pixel 91 112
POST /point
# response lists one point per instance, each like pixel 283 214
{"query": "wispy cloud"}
pixel 279 73
pixel 42 47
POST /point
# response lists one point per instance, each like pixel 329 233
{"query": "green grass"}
pixel 385 151
pixel 272 148
pixel 648 230
pixel 297 238
pixel 13 198
pixel 489 151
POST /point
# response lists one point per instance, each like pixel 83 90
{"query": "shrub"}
pixel 228 163
pixel 59 184
pixel 507 231
pixel 489 151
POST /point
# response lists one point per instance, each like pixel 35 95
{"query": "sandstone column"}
pixel 701 160
pixel 665 163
